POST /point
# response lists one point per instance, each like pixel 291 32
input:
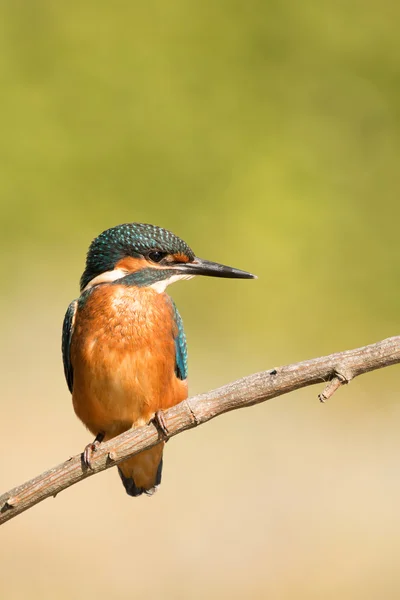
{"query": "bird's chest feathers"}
pixel 123 354
pixel 125 329
pixel 127 317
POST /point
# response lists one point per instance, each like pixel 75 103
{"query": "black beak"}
pixel 212 269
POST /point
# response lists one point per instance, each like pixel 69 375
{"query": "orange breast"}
pixel 123 356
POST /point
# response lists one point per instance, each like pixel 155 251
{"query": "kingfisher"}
pixel 123 342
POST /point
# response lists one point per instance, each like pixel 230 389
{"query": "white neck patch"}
pixel 109 276
pixel 106 277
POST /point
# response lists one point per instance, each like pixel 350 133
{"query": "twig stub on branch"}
pixel 338 369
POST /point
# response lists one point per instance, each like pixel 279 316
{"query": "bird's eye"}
pixel 156 256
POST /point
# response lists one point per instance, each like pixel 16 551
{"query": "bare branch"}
pixel 337 369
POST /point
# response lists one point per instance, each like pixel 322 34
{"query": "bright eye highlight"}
pixel 156 256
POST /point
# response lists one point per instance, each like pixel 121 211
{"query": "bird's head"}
pixel 146 255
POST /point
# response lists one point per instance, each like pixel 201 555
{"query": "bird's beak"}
pixel 200 266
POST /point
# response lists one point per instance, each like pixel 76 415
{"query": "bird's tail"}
pixel 141 474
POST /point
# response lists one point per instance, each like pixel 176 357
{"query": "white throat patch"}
pixel 160 286
pixel 109 276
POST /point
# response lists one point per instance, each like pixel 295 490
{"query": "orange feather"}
pixel 123 356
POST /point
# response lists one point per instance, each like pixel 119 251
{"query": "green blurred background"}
pixel 267 135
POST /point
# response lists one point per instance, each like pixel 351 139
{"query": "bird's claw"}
pixel 90 449
pixel 160 423
pixel 88 452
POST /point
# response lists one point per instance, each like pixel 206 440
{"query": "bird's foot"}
pixel 160 423
pixel 90 449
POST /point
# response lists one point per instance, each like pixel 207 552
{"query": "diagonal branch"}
pixel 335 369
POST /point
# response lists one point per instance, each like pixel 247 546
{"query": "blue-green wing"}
pixel 181 368
pixel 68 329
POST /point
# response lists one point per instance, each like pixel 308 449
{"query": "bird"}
pixel 123 342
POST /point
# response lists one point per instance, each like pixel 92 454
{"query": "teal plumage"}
pixel 181 366
pixel 129 239
pixel 123 342
pixel 67 331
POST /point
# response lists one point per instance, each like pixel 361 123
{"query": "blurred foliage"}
pixel 264 133
pixel 267 135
